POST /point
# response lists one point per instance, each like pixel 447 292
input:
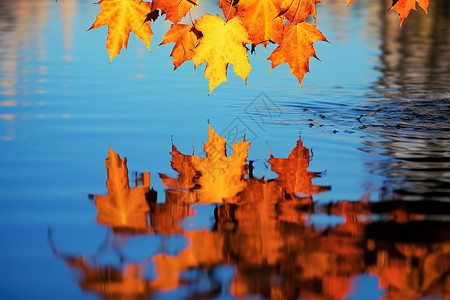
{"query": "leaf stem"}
pixel 190 16
pixel 229 11
pixel 297 10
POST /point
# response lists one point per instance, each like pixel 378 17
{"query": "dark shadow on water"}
pixel 413 132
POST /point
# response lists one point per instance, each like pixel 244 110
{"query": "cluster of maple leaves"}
pixel 221 41
pixel 216 178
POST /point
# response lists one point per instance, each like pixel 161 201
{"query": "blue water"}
pixel 62 105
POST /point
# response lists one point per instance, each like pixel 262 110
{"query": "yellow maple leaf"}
pixel 122 17
pixel 261 19
pixel 222 175
pixel 175 10
pixel 222 43
pixel 185 38
pixel 297 48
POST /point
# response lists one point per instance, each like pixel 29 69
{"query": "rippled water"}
pixel 343 192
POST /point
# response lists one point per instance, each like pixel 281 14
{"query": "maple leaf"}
pixel 222 175
pixel 122 17
pixel 297 11
pixel 185 38
pixel 403 7
pixel 220 178
pixel 229 8
pixel 122 207
pixel 262 21
pixel 296 48
pixel 222 43
pixel 350 1
pixel 152 16
pixel 213 179
pixel 183 164
pixel 293 174
pixel 175 10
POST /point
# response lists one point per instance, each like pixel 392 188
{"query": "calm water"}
pixel 325 200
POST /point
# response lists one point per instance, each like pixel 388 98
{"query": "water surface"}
pixel 342 193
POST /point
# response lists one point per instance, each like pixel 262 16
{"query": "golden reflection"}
pixel 263 233
pixel 219 178
pixel 126 209
pixel 123 207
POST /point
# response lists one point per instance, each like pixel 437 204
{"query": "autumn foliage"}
pixel 262 229
pixel 222 40
pixel 122 207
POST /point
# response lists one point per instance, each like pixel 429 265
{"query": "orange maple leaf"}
pixel 181 163
pixel 222 44
pixel 296 48
pixel 293 174
pixel 297 11
pixel 403 7
pixel 122 17
pixel 185 38
pixel 261 19
pixel 350 1
pixel 229 8
pixel 213 179
pixel 123 207
pixel 175 10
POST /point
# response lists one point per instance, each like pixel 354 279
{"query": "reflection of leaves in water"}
pixel 220 178
pixel 112 282
pixel 123 207
pixel 409 254
pixel 165 218
pixel 263 231
pixel 216 178
pixel 292 172
pixel 109 281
